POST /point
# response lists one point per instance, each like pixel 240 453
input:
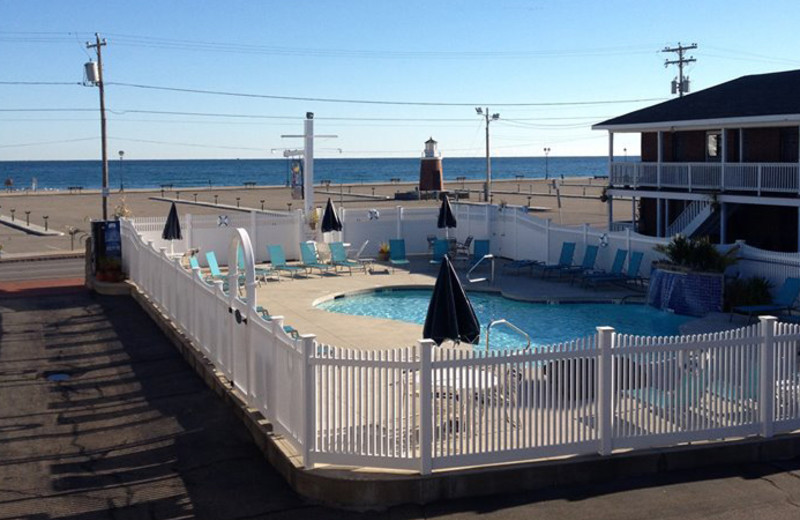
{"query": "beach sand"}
pixel 579 200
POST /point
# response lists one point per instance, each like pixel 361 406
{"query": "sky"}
pixel 550 69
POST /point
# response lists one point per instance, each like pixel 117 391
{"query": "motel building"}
pixel 722 162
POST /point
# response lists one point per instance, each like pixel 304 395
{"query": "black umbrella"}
pixel 330 220
pixel 450 313
pixel 446 218
pixel 172 228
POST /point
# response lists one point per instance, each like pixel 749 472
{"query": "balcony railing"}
pixel 740 177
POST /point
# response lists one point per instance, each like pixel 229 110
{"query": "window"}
pixel 713 146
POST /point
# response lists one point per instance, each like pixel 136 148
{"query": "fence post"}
pixel 309 402
pixel 767 379
pixel 254 235
pixel 425 414
pixel 605 339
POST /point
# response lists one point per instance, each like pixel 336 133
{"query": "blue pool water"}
pixel 545 323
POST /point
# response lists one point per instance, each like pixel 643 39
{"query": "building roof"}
pixel 749 100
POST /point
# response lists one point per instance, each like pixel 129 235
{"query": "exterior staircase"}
pixel 690 219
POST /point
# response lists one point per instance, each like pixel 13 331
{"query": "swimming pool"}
pixel 545 323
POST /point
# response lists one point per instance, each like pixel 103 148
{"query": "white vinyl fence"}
pixel 425 408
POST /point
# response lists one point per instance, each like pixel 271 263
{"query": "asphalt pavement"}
pixel 101 418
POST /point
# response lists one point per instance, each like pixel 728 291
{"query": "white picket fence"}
pixel 425 408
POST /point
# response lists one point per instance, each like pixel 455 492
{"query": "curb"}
pixel 369 490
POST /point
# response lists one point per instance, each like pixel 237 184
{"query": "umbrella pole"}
pixel 171 247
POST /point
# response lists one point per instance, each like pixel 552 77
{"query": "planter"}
pixel 383 257
pixel 685 292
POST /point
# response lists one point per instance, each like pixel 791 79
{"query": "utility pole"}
pixel 487 187
pixel 680 85
pixel 98 45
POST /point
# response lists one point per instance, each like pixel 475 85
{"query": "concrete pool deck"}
pixel 295 300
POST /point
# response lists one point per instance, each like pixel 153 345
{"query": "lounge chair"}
pixel 479 250
pixel 397 253
pixel 366 263
pixel 277 258
pixel 518 265
pixel 783 302
pixel 262 273
pixel 589 259
pixel 213 266
pixel 266 316
pixel 616 268
pixel 193 262
pixel 631 275
pixel 564 260
pixel 463 249
pixel 339 258
pixel 309 260
pixel 440 248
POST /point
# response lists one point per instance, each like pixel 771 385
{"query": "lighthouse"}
pixel 430 168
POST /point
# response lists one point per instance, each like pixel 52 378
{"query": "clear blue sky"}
pixel 458 51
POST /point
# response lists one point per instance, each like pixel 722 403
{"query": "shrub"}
pixel 747 291
pixel 697 254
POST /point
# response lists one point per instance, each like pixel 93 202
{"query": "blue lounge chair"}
pixel 261 272
pixel 632 274
pixel 309 260
pixel 589 259
pixel 440 248
pixel 213 266
pixel 616 268
pixel 564 260
pixel 193 262
pixel 479 250
pixel 339 258
pixel 397 253
pixel 277 258
pixel 266 316
pixel 784 301
pixel 517 265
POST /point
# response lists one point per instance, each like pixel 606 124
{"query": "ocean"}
pixel 234 172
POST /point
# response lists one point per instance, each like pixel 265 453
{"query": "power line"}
pixel 40 83
pixel 680 85
pixel 42 143
pixel 370 101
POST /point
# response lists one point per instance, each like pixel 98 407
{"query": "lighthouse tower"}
pixel 430 168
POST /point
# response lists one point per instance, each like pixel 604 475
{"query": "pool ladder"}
pixel 478 280
pixel 512 327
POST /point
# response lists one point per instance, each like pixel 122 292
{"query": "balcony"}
pixel 755 178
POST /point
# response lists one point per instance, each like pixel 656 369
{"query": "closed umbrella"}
pixel 450 313
pixel 172 228
pixel 330 220
pixel 446 218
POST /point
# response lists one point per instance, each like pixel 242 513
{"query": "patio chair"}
pixel 262 273
pixel 479 250
pixel 784 301
pixel 366 262
pixel 213 266
pixel 397 253
pixel 266 316
pixel 309 260
pixel 564 260
pixel 440 248
pixel 631 275
pixel 278 260
pixel 616 268
pixel 339 258
pixel 518 265
pixel 589 259
pixel 463 249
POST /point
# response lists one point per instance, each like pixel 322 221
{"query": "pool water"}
pixel 545 323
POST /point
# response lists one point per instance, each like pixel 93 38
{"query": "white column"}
pixel 724 135
pixel 767 379
pixel 659 220
pixel 741 145
pixel 308 166
pixel 660 157
pixel 610 153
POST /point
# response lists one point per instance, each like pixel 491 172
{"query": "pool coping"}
pixel 365 489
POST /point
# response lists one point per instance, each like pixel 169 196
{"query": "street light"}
pixel 487 188
pixel 121 174
pixel 546 165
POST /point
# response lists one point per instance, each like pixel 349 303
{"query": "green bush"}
pixel 697 254
pixel 747 291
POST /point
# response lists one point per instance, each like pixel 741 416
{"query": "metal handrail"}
pixel 509 325
pixel 476 280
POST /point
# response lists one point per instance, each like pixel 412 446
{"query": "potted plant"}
pixel 383 252
pixel 109 270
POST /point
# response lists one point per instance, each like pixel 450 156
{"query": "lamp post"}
pixel 546 163
pixel 121 172
pixel 487 188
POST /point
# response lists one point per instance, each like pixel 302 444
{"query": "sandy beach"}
pixel 579 204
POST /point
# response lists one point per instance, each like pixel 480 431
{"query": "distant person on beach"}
pixel 9 184
pixel 34 183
